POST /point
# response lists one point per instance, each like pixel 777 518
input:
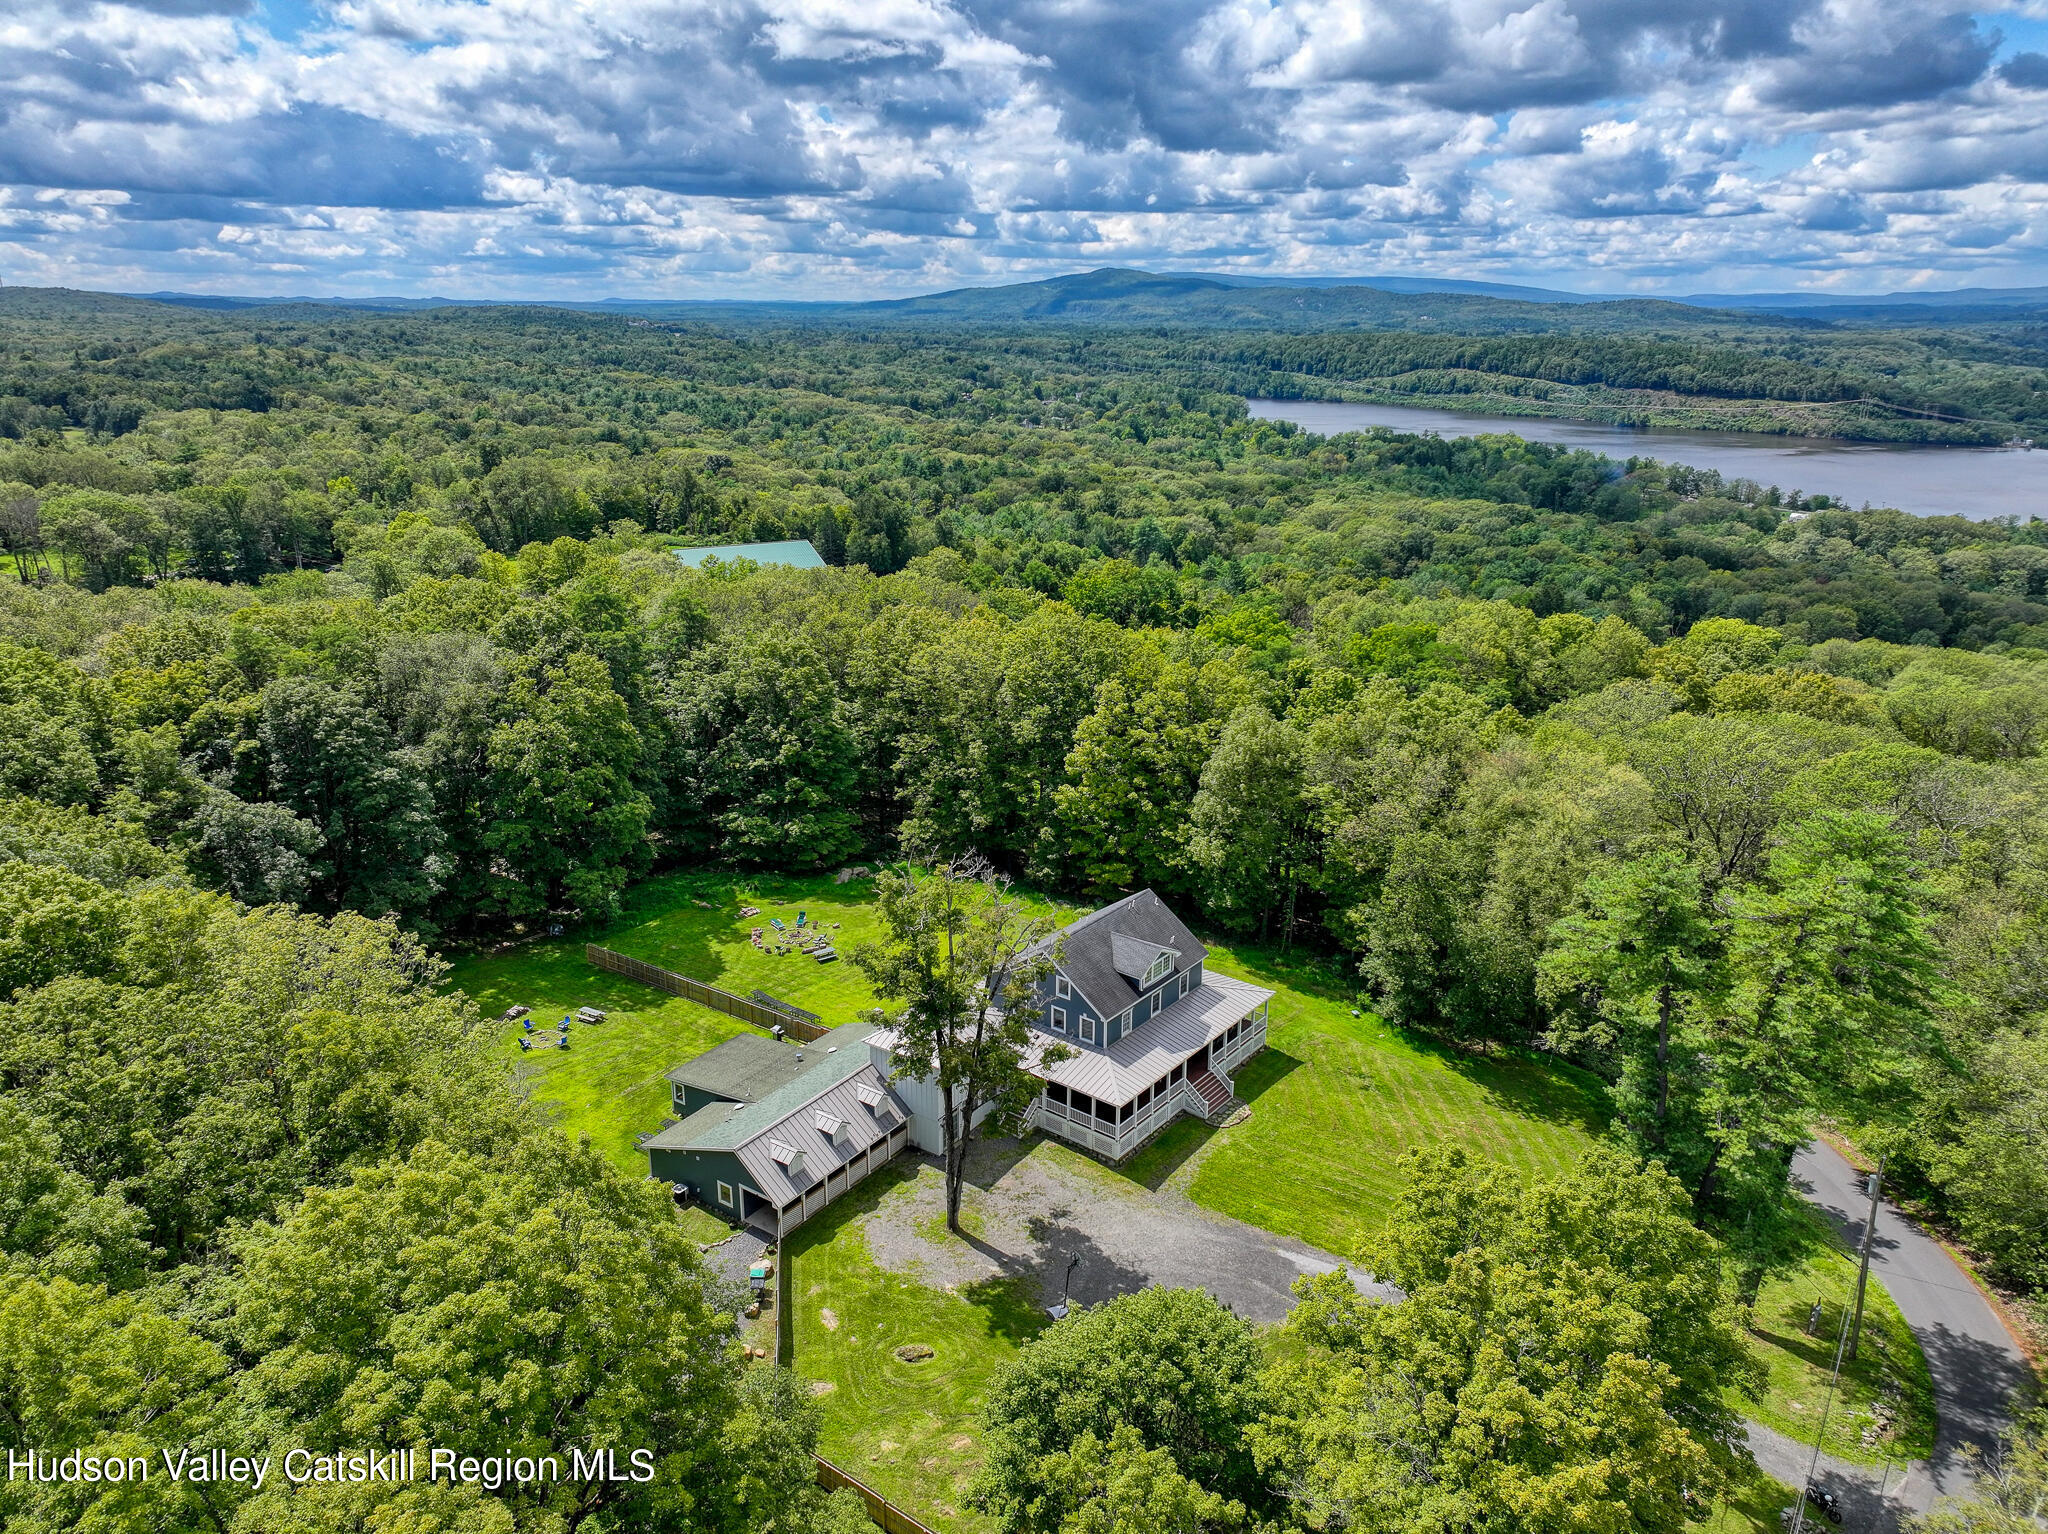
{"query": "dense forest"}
pixel 329 639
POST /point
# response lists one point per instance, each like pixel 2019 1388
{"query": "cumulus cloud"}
pixel 850 146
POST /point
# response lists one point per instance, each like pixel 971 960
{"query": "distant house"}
pixel 1154 1035
pixel 795 551
pixel 768 1133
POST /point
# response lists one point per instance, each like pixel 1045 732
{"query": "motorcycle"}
pixel 1825 1503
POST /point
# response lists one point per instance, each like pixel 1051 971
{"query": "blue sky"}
pixel 870 148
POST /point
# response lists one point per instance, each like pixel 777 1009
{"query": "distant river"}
pixel 1979 482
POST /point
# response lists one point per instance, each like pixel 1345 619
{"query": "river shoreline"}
pixel 1924 479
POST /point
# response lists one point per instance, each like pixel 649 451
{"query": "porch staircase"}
pixel 1213 1092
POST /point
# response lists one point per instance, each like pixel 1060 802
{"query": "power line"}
pixel 1821 1432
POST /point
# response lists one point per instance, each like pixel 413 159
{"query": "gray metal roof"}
pixel 751 1066
pixel 839 1087
pixel 1119 1073
pixel 803 1130
pixel 1089 948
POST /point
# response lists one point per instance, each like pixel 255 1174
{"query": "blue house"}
pixel 1154 1035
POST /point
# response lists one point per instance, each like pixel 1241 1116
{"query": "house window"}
pixel 1061 989
pixel 725 1194
pixel 1159 968
pixel 1123 1114
pixel 1123 1024
pixel 1056 1093
pixel 1087 1029
pixel 1180 986
pixel 1059 1019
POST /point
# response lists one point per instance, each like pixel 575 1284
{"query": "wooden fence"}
pixel 887 1515
pixel 696 990
pixel 785 1328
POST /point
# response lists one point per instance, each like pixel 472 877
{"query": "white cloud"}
pixel 709 146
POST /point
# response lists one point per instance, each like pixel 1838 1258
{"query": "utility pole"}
pixel 1820 1433
pixel 1863 1269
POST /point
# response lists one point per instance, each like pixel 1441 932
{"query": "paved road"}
pixel 1974 1362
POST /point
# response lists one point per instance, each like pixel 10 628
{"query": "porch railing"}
pixel 1118 1141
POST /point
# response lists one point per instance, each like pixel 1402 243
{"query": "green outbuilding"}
pixel 768 1132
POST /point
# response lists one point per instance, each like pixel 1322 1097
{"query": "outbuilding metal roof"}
pixel 1119 1073
pixel 783 1177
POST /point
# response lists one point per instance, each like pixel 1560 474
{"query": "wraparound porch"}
pixel 1117 1129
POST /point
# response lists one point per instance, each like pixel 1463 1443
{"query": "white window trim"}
pixel 725 1194
pixel 1087 1029
pixel 1059 1019
pixel 1062 989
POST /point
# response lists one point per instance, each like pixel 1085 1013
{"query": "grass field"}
pixel 1753 1510
pixel 911 1431
pixel 610 1082
pixel 1889 1367
pixel 1336 1100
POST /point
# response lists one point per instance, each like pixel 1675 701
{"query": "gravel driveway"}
pixel 1031 1208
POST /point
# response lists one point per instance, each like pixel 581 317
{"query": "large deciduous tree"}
pixel 1074 1421
pixel 1559 1363
pixel 956 960
pixel 1136 766
pixel 1249 826
pixel 334 765
pixel 771 767
pixel 567 820
pixel 524 1302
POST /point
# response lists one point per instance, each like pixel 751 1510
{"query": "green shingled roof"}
pixel 743 1069
pixel 683 1136
pixel 829 1065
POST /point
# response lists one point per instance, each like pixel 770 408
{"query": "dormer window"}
pixel 835 1129
pixel 788 1157
pixel 870 1096
pixel 1158 970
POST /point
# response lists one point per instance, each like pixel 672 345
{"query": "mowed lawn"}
pixel 910 1430
pixel 1888 1375
pixel 1337 1100
pixel 610 1083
